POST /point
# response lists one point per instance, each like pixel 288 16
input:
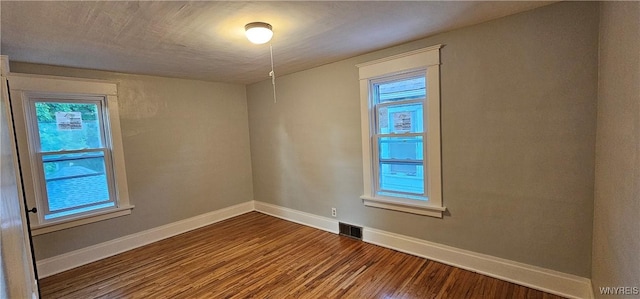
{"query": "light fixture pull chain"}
pixel 272 74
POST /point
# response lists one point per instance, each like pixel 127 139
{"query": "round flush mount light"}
pixel 258 32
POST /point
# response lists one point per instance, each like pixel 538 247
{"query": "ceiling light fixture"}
pixel 258 32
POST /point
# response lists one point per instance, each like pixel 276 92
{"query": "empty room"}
pixel 356 149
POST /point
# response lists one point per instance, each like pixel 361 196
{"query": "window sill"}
pixel 49 227
pixel 390 204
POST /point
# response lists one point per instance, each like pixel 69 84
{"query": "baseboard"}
pixel 550 281
pixel 76 258
pixel 534 277
pixel 315 221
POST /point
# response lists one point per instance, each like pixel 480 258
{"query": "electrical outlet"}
pixel 334 212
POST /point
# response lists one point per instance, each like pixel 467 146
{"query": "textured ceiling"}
pixel 205 40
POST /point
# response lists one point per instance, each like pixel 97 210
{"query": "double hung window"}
pixel 398 142
pixel 69 141
pixel 73 161
pixel 400 104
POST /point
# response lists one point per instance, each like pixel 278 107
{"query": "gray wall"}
pixel 616 224
pixel 518 132
pixel 186 146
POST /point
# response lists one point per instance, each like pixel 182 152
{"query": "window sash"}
pixel 376 136
pixel 100 102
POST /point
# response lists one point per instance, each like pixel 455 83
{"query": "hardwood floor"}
pixel 259 256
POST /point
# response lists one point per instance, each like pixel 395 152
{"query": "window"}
pixel 75 171
pixel 72 157
pixel 400 105
pixel 398 140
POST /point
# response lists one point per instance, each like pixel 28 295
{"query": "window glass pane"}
pixel 402 177
pixel 411 88
pixel 68 126
pixel 76 181
pixel 398 119
pixel 401 148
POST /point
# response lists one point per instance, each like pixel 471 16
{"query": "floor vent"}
pixel 350 230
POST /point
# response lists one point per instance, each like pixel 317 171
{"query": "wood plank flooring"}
pixel 259 256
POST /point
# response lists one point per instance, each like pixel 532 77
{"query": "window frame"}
pixel 26 90
pixel 37 158
pixel 427 61
pixel 377 135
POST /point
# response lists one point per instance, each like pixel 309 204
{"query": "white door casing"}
pixel 17 273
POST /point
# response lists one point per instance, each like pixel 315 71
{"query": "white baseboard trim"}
pixel 76 258
pixel 315 221
pixel 546 280
pixel 550 281
pixel 534 277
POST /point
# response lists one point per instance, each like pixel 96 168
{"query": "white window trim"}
pixel 422 59
pixel 22 86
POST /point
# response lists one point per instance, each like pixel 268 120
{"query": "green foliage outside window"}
pixel 46 111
